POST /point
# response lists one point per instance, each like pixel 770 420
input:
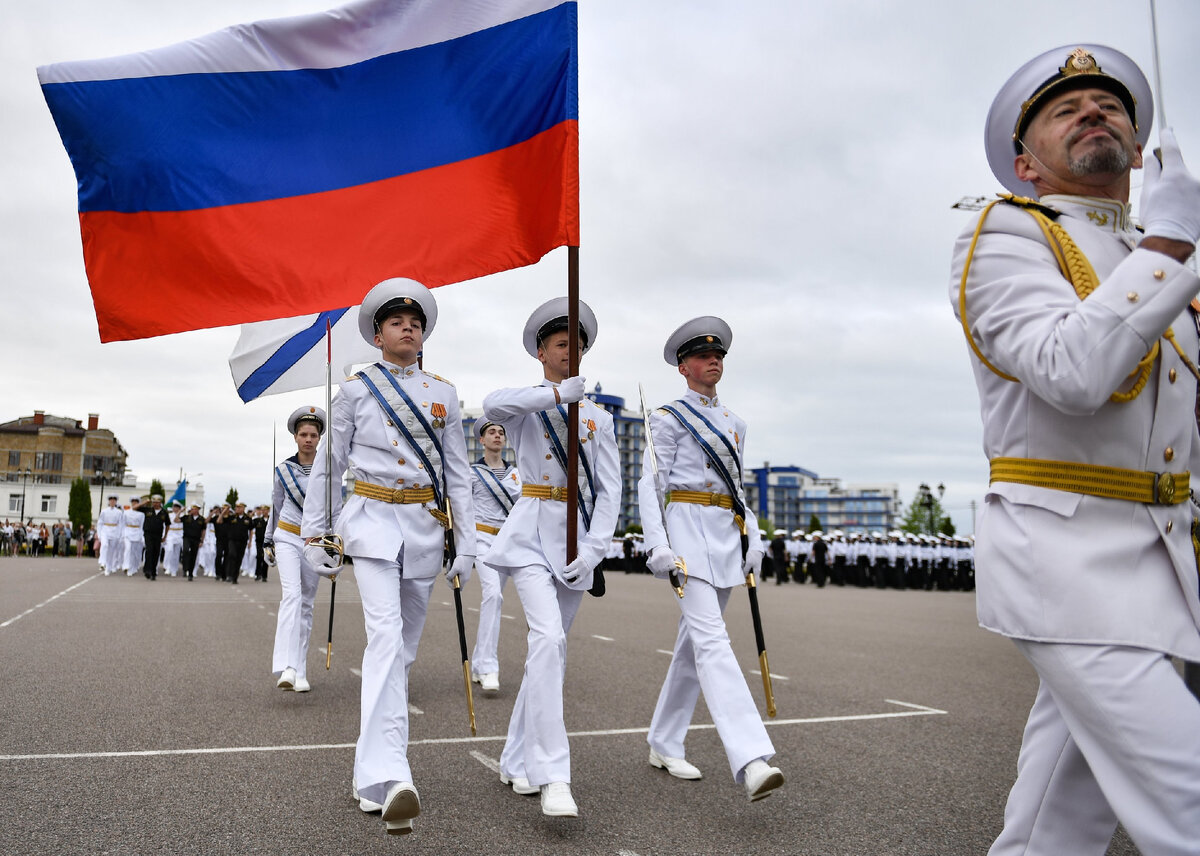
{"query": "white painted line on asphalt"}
pixel 491 763
pixel 603 638
pixel 664 651
pixel 473 609
pixel 437 741
pixel 626 853
pixel 17 618
pixel 914 706
pixel 412 708
pixel 774 676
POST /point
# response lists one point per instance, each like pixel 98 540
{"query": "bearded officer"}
pixel 1084 355
pixel 496 489
pixel 285 548
pixel 699 443
pixel 398 430
pixel 194 525
pixel 532 545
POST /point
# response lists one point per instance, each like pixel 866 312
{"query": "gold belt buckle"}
pixel 1164 488
pixel 714 499
pixel 558 493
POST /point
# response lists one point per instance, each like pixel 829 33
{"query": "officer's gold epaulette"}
pixel 442 379
pixel 662 411
pixel 353 377
pixel 1026 202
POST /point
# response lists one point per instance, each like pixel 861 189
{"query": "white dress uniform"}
pixel 109 526
pixel 397 548
pixel 172 547
pixel 1093 588
pixel 709 541
pixel 134 539
pixel 297 578
pixel 532 547
pixel 207 556
pixel 493 495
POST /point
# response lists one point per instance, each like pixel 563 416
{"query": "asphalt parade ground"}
pixel 141 717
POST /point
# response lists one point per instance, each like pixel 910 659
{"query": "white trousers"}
pixel 132 560
pixel 484 657
pixel 703 659
pixel 112 550
pixel 293 625
pixel 171 551
pixel 1114 735
pixel 536 747
pixel 394 615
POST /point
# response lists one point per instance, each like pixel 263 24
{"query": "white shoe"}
pixel 519 784
pixel 557 800
pixel 302 685
pixel 760 779
pixel 490 683
pixel 677 767
pixel 401 806
pixel 287 679
pixel 363 803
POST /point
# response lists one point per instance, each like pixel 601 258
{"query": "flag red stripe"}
pixel 154 273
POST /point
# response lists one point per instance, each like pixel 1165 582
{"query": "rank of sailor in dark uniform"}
pixel 154 526
pixel 221 533
pixel 193 536
pixel 238 526
pixel 260 535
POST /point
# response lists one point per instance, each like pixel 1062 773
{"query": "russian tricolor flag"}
pixel 282 168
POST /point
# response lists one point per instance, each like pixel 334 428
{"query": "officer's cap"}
pixel 551 317
pixel 156 497
pixel 1056 71
pixel 484 424
pixel 112 496
pixel 706 333
pixel 390 296
pixel 301 415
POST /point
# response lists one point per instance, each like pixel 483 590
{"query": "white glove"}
pixel 661 561
pixel 754 557
pixel 571 389
pixel 460 570
pixel 269 553
pixel 578 574
pixel 323 563
pixel 1170 204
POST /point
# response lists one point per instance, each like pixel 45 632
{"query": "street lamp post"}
pixel 24 481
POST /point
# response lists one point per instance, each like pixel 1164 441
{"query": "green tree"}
pixel 925 514
pixel 633 528
pixel 232 496
pixel 814 523
pixel 79 507
pixel 157 487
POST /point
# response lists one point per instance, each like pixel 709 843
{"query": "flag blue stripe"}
pixel 276 365
pixel 194 141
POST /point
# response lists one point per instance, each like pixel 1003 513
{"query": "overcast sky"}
pixel 787 165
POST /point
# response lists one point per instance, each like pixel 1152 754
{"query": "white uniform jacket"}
pixel 109 523
pixel 485 490
pixel 375 451
pixel 282 506
pixel 1061 566
pixel 704 536
pixel 535 533
pixel 132 522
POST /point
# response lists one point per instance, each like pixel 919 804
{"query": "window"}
pixel 49 503
pixel 14 503
pixel 14 459
pixel 47 461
